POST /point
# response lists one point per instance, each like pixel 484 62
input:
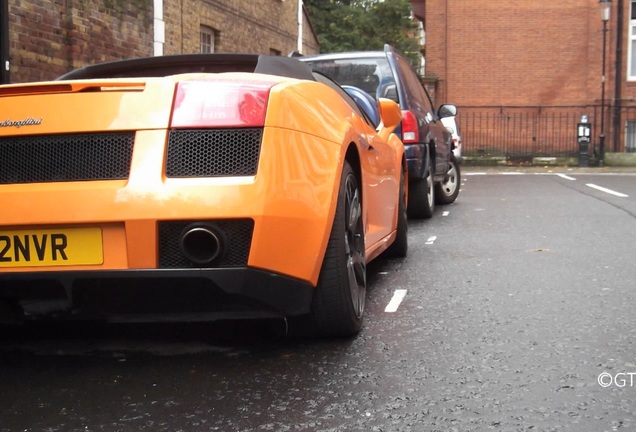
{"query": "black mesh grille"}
pixel 77 157
pixel 213 152
pixel 237 236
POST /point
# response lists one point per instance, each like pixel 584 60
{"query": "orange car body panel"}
pixel 291 199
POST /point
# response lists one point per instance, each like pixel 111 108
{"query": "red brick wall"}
pixel 49 38
pixel 528 52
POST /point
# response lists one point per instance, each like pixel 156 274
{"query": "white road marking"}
pixel 393 305
pixel 567 177
pixel 609 191
pixel 446 213
pixel 431 240
pixel 513 173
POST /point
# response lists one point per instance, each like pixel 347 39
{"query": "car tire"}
pixel 399 248
pixel 447 191
pixel 338 302
pixel 422 195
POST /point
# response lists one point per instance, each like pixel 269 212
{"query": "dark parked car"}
pixel 434 175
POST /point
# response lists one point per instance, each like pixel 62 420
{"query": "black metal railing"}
pixel 526 132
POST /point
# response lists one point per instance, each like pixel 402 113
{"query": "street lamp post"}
pixel 606 6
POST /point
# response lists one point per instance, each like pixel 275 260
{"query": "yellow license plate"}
pixel 51 247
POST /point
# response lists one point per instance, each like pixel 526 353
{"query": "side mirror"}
pixel 391 116
pixel 447 110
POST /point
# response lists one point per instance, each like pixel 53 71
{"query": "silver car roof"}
pixel 344 55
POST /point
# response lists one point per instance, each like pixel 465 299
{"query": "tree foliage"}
pixel 364 25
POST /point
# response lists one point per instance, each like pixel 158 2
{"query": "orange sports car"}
pixel 196 187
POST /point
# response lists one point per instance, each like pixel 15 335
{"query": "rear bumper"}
pixel 291 197
pixel 152 295
pixel 416 159
pixel 457 152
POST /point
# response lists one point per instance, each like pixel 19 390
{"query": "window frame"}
pixel 631 40
pixel 206 31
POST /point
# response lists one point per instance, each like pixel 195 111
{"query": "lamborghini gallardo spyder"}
pixel 196 187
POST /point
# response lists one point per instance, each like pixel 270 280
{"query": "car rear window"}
pixel 372 75
pixel 415 91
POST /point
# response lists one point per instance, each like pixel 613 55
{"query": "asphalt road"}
pixel 517 315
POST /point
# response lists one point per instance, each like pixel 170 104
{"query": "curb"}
pixel 622 160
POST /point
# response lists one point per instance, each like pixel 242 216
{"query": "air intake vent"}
pixel 61 158
pixel 213 153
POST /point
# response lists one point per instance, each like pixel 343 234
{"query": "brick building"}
pixel 256 26
pixel 523 73
pixel 48 38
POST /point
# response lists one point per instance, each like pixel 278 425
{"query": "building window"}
pixel 631 54
pixel 208 36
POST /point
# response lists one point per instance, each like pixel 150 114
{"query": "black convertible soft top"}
pixel 161 66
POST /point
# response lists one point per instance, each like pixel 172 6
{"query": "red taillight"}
pixel 220 103
pixel 410 132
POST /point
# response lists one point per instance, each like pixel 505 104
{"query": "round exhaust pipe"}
pixel 201 244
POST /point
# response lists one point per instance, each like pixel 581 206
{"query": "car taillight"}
pixel 220 103
pixel 410 132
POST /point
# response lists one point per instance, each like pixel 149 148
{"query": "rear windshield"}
pixel 372 75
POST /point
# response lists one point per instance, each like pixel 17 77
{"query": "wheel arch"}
pixel 405 171
pixel 353 158
pixel 431 152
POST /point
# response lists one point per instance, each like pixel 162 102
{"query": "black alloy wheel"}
pixel 338 303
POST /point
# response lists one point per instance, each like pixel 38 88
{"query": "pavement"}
pixel 613 163
pixel 548 169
